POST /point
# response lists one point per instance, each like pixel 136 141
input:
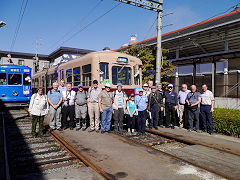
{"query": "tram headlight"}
pixel 26 91
pixel 15 93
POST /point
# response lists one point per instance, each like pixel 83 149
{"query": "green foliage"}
pixel 148 58
pixel 226 121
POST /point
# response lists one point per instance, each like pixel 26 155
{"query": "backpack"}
pixel 115 92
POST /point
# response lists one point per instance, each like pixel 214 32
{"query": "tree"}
pixel 148 57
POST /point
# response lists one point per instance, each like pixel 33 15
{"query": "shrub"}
pixel 226 121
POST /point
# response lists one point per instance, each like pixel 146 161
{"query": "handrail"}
pixel 5 150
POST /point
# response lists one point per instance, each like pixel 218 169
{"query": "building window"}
pixel 21 62
pixel 86 70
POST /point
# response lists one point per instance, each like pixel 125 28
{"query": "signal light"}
pixel 25 95
pixel 3 95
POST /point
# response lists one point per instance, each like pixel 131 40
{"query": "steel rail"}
pixel 79 156
pixel 5 150
pixel 171 156
pixel 191 142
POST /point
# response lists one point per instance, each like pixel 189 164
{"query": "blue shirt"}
pixel 61 89
pixel 132 105
pixel 171 97
pixel 141 102
pixel 182 96
pixel 120 100
pixel 54 96
pixel 193 97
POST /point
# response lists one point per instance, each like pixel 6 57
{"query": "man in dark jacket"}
pixel 155 103
pixel 171 105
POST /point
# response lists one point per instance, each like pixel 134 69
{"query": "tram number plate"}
pixel 122 59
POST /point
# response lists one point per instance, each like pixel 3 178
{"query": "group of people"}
pixel 69 109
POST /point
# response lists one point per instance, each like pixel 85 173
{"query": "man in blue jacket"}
pixel 171 105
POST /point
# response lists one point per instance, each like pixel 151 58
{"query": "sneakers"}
pixel 134 133
pixel 84 129
pixel 129 133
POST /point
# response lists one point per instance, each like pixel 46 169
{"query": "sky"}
pixel 55 23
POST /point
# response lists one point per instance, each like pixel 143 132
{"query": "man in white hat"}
pixel 146 91
pixel 105 100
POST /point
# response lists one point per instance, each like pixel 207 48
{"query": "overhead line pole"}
pixel 156 6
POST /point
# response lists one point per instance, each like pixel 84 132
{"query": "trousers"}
pixel 131 122
pixel 81 114
pixel 55 120
pixel 36 119
pixel 183 115
pixel 118 119
pixel 94 115
pixel 142 121
pixel 190 118
pixel 206 115
pixel 68 111
pixel 154 113
pixel 106 119
pixel 170 115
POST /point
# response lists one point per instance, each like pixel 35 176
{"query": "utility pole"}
pixel 159 45
pixel 36 65
pixel 156 6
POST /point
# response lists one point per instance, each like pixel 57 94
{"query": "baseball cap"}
pixel 80 85
pixel 95 82
pixel 107 85
pixel 140 90
pixel 132 95
pixel 119 84
pixel 145 85
pixel 170 85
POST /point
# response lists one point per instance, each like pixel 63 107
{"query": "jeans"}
pixel 206 114
pixel 154 113
pixel 106 117
pixel 142 121
pixel 118 119
pixel 190 118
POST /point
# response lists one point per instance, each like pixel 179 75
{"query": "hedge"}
pixel 226 121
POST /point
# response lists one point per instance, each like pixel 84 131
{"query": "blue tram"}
pixel 15 85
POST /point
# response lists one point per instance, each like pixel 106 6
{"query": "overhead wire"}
pixel 149 30
pixel 92 22
pixel 76 25
pixel 20 18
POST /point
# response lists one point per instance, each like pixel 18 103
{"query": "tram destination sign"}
pixel 122 59
pixel 14 70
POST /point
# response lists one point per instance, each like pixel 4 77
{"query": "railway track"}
pixel 30 157
pixel 166 144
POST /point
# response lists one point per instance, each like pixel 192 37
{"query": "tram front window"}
pixel 3 80
pixel 14 79
pixel 121 74
pixel 26 79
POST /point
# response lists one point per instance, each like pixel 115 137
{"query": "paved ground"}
pixel 122 159
pixel 221 141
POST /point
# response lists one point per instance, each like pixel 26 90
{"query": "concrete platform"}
pixel 223 142
pixel 122 159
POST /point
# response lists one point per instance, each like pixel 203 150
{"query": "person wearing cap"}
pixel 105 106
pixel 171 105
pixel 68 107
pixel 131 115
pixel 38 108
pixel 155 103
pixel 81 108
pixel 141 101
pixel 93 109
pixel 146 92
pixel 119 107
pixel 55 101
pixel 161 112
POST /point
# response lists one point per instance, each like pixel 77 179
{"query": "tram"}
pixel 104 66
pixel 15 85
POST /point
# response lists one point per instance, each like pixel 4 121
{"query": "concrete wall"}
pixel 229 103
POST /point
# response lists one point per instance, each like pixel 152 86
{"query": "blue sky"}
pixel 51 19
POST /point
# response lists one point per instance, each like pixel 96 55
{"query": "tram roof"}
pixel 14 66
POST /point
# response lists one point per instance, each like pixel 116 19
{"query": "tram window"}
pixel 14 79
pixel 69 75
pixel 121 74
pixel 86 75
pixel 62 74
pixel 76 76
pixel 26 79
pixel 3 80
pixel 136 75
pixel 104 74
